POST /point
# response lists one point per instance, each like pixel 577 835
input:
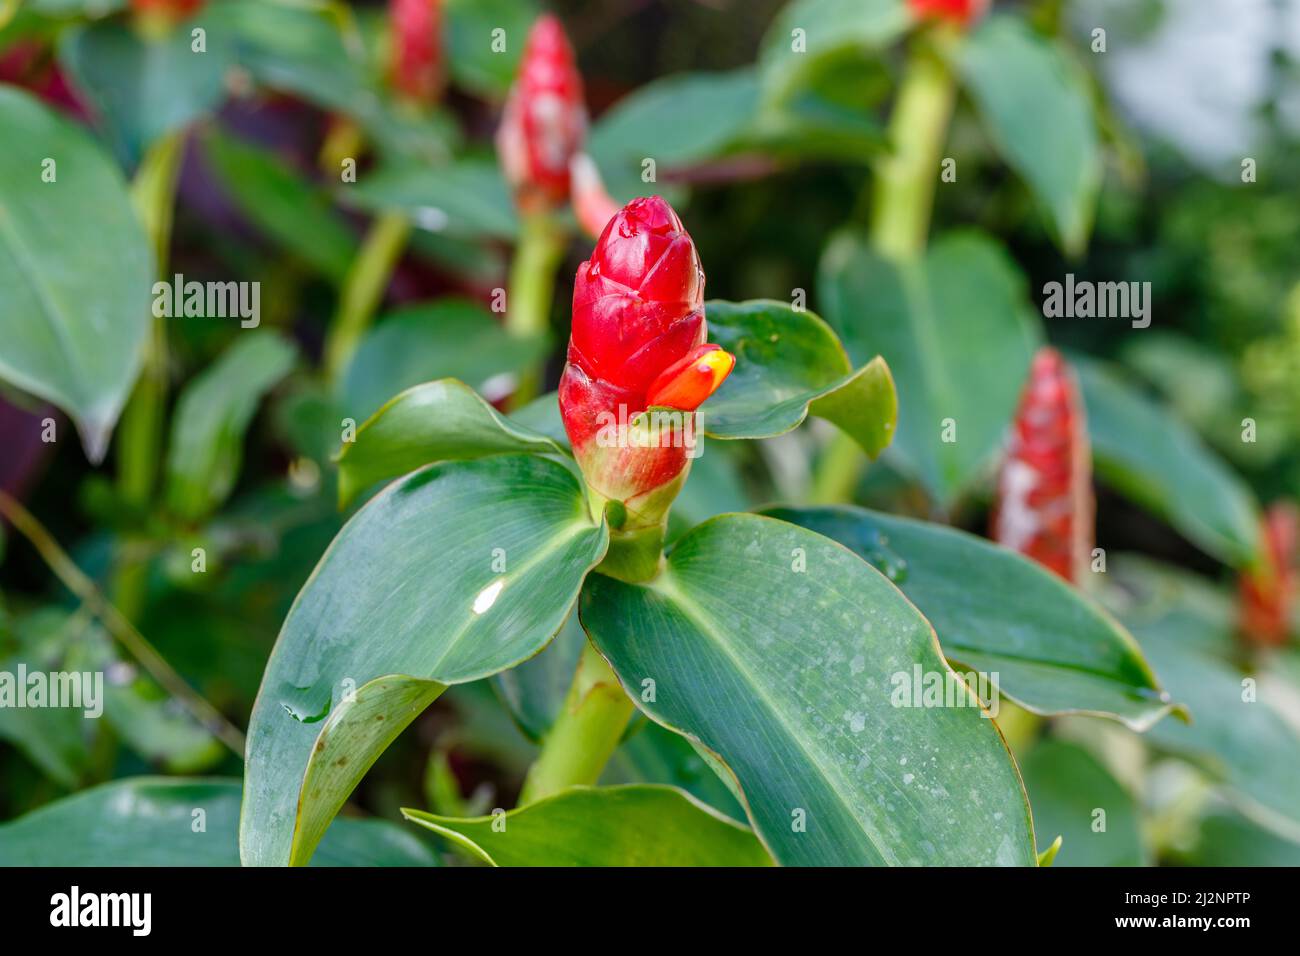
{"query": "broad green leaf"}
pixel 806 31
pixel 468 198
pixel 651 754
pixel 1054 650
pixel 1225 838
pixel 144 87
pixel 1153 458
pixel 783 654
pixel 789 364
pixel 458 571
pixel 450 338
pixel 475 64
pixel 534 691
pixel 676 121
pixel 212 414
pixel 431 422
pixel 75 269
pixel 1066 787
pixel 958 334
pixel 1037 106
pixel 284 204
pixel 167 821
pixel 632 825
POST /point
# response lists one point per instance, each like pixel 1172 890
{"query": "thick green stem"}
pixel 363 289
pixel 532 286
pixel 584 736
pixel 902 201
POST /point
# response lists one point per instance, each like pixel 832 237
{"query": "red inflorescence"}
pixel 958 11
pixel 416 36
pixel 545 119
pixel 637 341
pixel 1044 503
pixel 1268 594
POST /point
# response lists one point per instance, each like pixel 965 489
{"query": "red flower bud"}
pixel 637 341
pixel 1045 507
pixel 169 9
pixel 545 120
pixel 961 12
pixel 1267 594
pixel 415 29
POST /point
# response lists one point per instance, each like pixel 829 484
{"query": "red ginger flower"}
pixel 958 11
pixel 638 343
pixel 545 120
pixel 1268 594
pixel 416 68
pixel 1045 507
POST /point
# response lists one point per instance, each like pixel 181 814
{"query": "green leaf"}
pixel 468 198
pixel 212 415
pixel 410 594
pixel 632 825
pixel 431 422
pixel 651 754
pixel 1224 838
pixel 534 691
pixel 1066 787
pixel 474 63
pixel 676 121
pixel 828 29
pixel 958 334
pixel 450 338
pixel 790 677
pixel 75 269
pixel 1037 105
pixel 1153 458
pixel 144 87
pixel 788 364
pixel 165 821
pixel 283 204
pixel 1054 650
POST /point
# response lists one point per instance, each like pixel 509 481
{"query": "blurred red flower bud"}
pixel 957 11
pixel 1268 594
pixel 545 119
pixel 1044 506
pixel 416 66
pixel 170 9
pixel 638 340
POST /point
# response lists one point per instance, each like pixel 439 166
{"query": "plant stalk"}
pixel 585 735
pixel 66 570
pixel 363 289
pixel 531 289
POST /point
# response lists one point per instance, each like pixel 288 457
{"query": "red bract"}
pixel 1045 508
pixel 544 121
pixel 637 341
pixel 416 30
pixel 958 11
pixel 1268 594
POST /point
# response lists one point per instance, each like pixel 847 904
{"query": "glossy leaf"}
pixel 958 334
pixel 651 754
pixel 782 653
pixel 469 198
pixel 167 821
pixel 1157 461
pixel 450 338
pixel 825 28
pixel 411 592
pixel 1037 106
pixel 282 203
pixel 431 422
pixel 633 825
pixel 1066 786
pixel 789 364
pixel 74 270
pixel 144 87
pixel 534 691
pixel 1055 651
pixel 212 415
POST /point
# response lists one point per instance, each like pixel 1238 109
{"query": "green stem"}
pixel 532 286
pixel 363 289
pixel 584 736
pixel 902 201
